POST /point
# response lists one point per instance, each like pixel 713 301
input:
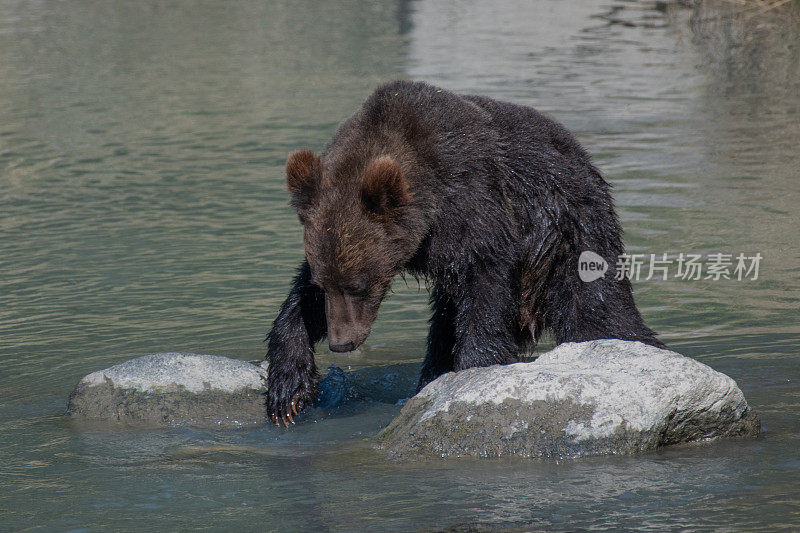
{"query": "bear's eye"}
pixel 358 286
pixel 356 290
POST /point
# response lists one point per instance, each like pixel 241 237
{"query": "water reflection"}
pixel 142 209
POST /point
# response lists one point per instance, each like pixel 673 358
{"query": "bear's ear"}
pixel 303 172
pixel 385 188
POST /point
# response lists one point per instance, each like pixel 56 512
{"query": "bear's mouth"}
pixel 349 320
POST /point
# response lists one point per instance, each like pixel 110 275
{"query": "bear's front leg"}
pixel 292 375
pixel 486 318
pixel 441 337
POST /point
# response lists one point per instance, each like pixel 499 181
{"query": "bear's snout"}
pixel 347 347
pixel 349 321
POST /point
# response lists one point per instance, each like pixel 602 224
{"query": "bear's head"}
pixel 357 232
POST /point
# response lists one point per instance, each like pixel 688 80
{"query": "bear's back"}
pixel 464 124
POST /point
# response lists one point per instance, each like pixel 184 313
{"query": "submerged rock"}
pixel 174 389
pixel 589 398
pixel 390 384
pixel 182 389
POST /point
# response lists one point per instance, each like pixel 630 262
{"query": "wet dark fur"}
pixel 494 205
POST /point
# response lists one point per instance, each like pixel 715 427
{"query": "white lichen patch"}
pixel 490 385
pixel 180 371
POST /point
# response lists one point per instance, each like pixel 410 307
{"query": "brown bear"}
pixel 492 203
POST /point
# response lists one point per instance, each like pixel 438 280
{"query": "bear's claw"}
pixel 283 418
pixel 287 417
pixel 288 392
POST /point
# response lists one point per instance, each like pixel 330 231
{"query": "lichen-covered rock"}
pixel 174 389
pixel 589 398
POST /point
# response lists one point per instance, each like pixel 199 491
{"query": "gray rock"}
pixel 589 398
pixel 174 389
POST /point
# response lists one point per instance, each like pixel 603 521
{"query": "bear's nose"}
pixel 345 347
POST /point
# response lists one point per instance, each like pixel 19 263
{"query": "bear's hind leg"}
pixel 577 311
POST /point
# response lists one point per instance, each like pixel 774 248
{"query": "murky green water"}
pixel 142 209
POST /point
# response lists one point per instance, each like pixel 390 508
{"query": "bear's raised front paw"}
pixel 288 394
